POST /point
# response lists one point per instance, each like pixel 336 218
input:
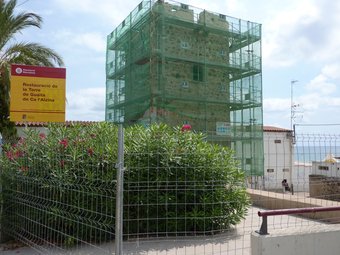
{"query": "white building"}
pixel 329 167
pixel 278 157
pixel 300 176
pixel 279 161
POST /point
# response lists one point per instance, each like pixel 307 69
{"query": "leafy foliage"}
pixel 182 184
pixel 175 183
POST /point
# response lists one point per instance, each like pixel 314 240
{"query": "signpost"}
pixel 37 94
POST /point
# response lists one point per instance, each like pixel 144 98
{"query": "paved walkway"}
pixel 234 242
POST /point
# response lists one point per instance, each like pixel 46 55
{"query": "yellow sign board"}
pixel 37 94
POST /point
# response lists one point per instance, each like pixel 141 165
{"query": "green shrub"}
pixel 61 187
pixel 178 183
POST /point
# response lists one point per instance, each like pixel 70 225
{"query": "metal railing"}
pixel 264 214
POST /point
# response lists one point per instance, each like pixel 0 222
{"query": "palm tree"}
pixel 11 24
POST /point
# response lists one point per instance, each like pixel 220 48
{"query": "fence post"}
pixel 119 193
pixel 292 188
pixel 2 239
pixel 264 226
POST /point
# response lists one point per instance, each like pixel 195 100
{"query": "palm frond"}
pixel 11 23
pixel 31 54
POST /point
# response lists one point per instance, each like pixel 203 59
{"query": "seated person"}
pixel 285 185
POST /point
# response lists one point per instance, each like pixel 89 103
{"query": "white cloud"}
pixel 301 31
pixel 322 85
pixel 86 104
pixel 332 71
pixel 93 41
pixel 276 104
pixel 310 102
pixel 335 101
pixel 111 11
pixel 312 108
pixel 90 40
pixel 325 83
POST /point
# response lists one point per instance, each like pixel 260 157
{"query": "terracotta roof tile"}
pixel 44 124
pixel 275 129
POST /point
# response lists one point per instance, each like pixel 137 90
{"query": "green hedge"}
pixel 61 187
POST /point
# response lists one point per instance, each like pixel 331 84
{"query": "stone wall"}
pixel 324 187
pixel 181 67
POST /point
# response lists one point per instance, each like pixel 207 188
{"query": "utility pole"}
pixel 292 117
pixel 292 105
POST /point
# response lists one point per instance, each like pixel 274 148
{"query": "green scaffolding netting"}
pixel 173 63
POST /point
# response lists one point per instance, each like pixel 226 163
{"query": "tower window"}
pixel 222 53
pixel 185 84
pixel 223 87
pixel 222 16
pixel 326 168
pixel 198 73
pixel 185 6
pixel 185 45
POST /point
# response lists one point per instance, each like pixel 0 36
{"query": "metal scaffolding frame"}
pixel 173 63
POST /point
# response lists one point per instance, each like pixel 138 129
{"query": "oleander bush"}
pixel 60 187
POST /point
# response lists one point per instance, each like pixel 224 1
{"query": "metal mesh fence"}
pixel 181 192
pixel 59 189
pixel 59 209
pixel 178 199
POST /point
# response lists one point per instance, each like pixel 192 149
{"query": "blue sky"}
pixel 300 41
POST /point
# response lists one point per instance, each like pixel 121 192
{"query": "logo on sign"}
pixel 18 70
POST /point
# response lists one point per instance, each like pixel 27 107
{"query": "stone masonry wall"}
pixel 324 187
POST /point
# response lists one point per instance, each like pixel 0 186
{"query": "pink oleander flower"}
pixel 186 127
pixel 42 136
pixel 10 155
pixel 90 152
pixel 19 154
pixel 21 140
pixel 64 143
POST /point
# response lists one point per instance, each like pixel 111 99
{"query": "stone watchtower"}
pixel 173 63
